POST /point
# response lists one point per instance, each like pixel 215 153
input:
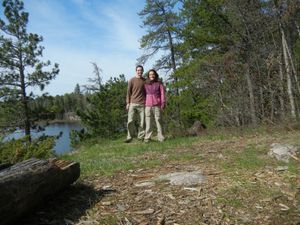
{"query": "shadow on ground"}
pixel 67 207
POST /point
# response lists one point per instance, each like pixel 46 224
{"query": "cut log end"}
pixel 25 185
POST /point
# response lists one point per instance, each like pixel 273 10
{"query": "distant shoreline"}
pixel 43 122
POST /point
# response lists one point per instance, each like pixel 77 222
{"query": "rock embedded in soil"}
pixel 145 212
pixel 183 178
pixel 144 184
pixel 282 152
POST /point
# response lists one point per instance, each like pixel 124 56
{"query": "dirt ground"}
pixel 264 195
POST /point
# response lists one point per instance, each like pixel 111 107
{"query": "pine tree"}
pixel 95 82
pixel 20 64
pixel 162 23
pixel 104 114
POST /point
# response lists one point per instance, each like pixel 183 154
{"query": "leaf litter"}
pixel 232 191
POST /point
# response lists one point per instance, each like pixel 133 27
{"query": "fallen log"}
pixel 27 185
pixel 4 165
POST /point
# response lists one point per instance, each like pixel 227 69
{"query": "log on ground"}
pixel 28 184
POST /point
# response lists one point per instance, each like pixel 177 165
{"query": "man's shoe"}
pixel 161 139
pixel 128 140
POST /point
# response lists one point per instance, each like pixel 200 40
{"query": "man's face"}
pixel 139 71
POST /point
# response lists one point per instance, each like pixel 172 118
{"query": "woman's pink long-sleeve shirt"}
pixel 155 94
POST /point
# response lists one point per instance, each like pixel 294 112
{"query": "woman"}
pixel 155 103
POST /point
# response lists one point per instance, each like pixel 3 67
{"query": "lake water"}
pixel 62 144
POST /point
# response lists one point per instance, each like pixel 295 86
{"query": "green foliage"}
pixel 18 150
pixel 10 114
pixel 56 108
pixel 206 28
pixel 76 137
pixel 105 113
pixel 231 49
pixel 197 99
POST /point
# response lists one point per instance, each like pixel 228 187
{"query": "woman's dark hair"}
pixel 156 79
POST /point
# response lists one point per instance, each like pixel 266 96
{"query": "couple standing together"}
pixel 145 98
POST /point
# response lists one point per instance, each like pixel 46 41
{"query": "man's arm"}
pixel 129 92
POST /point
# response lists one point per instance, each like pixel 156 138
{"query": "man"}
pixel 135 104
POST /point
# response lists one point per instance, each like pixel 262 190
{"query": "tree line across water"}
pixel 227 63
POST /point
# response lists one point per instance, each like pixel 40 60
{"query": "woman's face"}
pixel 151 75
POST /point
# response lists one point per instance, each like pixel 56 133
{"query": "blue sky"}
pixel 78 32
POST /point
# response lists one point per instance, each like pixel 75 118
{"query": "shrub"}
pixel 21 149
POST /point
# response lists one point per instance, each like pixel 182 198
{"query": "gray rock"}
pixel 282 168
pixel 282 152
pixel 144 184
pixel 183 178
pixel 197 129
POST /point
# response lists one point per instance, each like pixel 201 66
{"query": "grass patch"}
pixel 108 220
pixel 236 203
pixel 109 156
pixel 184 156
pixel 294 167
pixel 244 193
pixel 250 158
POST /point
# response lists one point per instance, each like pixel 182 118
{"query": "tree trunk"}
pixel 291 62
pixel 288 74
pixel 25 103
pixel 271 95
pixel 281 94
pixel 298 29
pixel 251 95
pixel 262 102
pixel 26 185
pixel 272 106
pixel 173 62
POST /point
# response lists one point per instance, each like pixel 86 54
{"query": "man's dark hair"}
pixel 138 67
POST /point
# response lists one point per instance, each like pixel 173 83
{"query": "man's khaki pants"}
pixel 133 111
